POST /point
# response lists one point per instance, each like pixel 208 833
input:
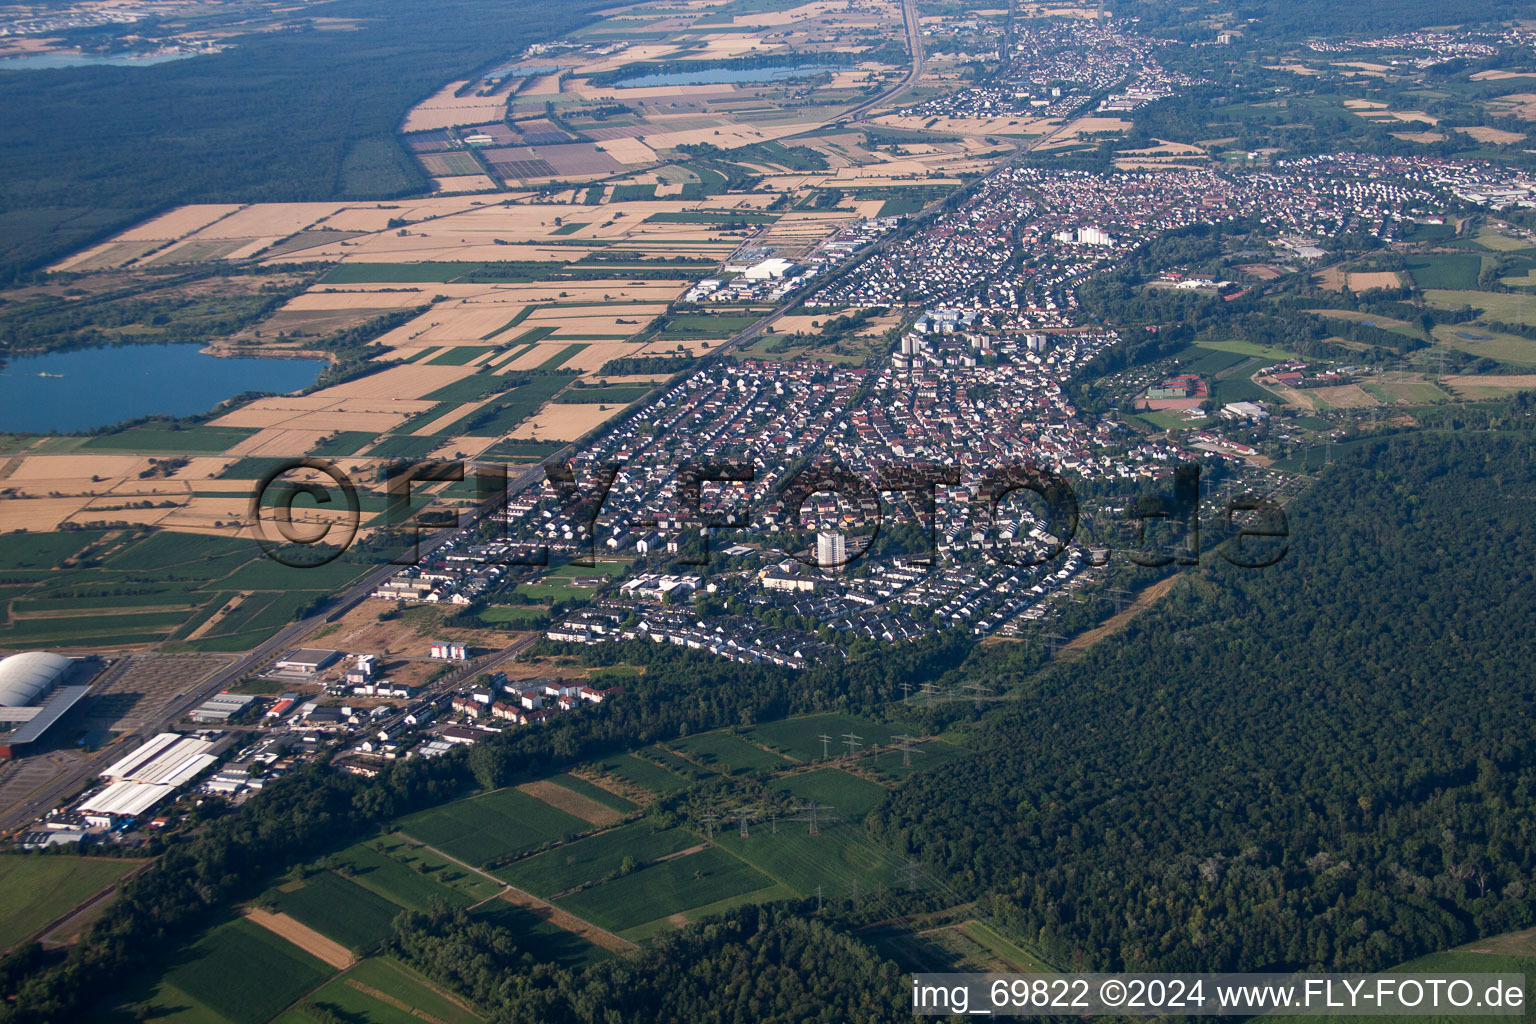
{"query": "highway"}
pixel 915 47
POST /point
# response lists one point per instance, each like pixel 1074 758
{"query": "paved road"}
pixel 915 47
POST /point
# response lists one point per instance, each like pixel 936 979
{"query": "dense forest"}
pixel 769 965
pixel 1324 764
pixel 281 116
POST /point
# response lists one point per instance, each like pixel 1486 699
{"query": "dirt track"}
pixel 305 937
pixel 1144 600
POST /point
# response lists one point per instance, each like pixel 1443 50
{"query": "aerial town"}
pixel 512 512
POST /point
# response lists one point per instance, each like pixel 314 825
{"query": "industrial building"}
pixel 221 708
pixel 770 270
pixel 34 695
pixel 150 774
pixel 306 662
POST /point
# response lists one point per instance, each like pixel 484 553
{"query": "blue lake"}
pixel 721 76
pixel 94 387
pixel 48 61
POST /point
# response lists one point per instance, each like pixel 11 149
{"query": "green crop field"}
pixel 557 360
pixel 660 890
pixel 1241 389
pixel 852 796
pixel 1511 953
pixel 194 440
pixel 800 738
pixel 45 550
pixel 924 757
pixel 726 753
pixel 35 890
pixel 594 857
pixel 346 442
pixel 375 870
pixel 710 217
pixel 331 905
pixel 517 616
pixel 1445 270
pixel 1206 361
pixel 510 410
pixel 459 355
pixel 1477 340
pixel 243 973
pixel 498 824
pixel 836 858
pixel 1248 348
pixel 613 394
pixel 401 273
pixel 1508 307
pixel 354 996
pixel 673 761
pixel 406 446
pixel 644 774
pixel 474 388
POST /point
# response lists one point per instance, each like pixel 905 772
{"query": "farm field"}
pixel 382 990
pixel 1478 340
pixel 662 890
pixel 1248 348
pixel 35 890
pixel 238 973
pixel 180 585
pixel 800 738
pixel 374 866
pixel 338 909
pixel 1445 270
pixel 592 858
pixel 539 937
pixel 644 774
pixel 725 753
pixel 1507 307
pixel 485 828
pixel 852 796
pixel 925 756
pixel 1510 953
pixel 839 856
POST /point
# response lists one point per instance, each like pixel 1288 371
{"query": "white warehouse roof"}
pixel 168 759
pixel 24 677
pixel 126 799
